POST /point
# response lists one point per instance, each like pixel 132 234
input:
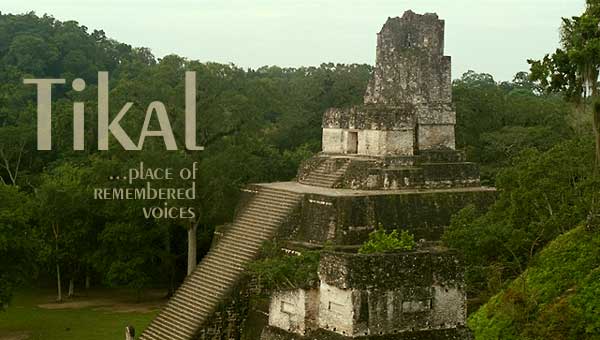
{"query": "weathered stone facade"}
pixel 378 296
pixel 294 310
pixel 408 102
pixel 348 219
pixel 383 294
pixel 389 162
pixel 402 137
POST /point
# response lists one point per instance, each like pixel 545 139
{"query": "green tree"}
pixel 62 210
pixel 541 196
pixel 129 254
pixel 16 246
pixel 573 68
pixel 496 121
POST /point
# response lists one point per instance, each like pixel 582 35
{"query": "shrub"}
pixel 382 242
pixel 277 270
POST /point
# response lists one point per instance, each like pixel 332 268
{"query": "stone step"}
pixel 273 206
pixel 325 175
pixel 279 207
pixel 195 298
pixel 236 262
pixel 181 321
pixel 256 228
pixel 277 195
pixel 318 183
pixel 187 308
pixel 181 326
pixel 208 281
pixel 222 267
pixel 264 211
pixel 211 274
pixel 250 237
pixel 318 180
pixel 213 258
pixel 319 172
pixel 241 243
pixel 234 256
pixel 252 232
pixel 252 225
pixel 194 293
pixel 200 308
pixel 157 333
pixel 243 240
pixel 268 221
pixel 234 265
pixel 210 269
pixel 168 329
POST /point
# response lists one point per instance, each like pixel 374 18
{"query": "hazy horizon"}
pixel 491 36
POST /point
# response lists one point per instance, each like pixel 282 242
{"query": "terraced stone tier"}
pixel 327 174
pixel 434 169
pixel 209 284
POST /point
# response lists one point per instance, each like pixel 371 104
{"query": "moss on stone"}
pixel 420 268
pixel 272 333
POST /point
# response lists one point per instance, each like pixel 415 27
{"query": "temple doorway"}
pixel 352 142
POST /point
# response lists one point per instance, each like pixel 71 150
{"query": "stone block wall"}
pixel 410 90
pixel 294 310
pixel 410 62
pixel 409 295
pixel 368 142
pixel 347 220
pixel 391 293
pixel 436 136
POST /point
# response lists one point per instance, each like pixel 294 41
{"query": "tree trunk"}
pixel 192 247
pixel 87 281
pixel 170 263
pixel 596 113
pixel 59 296
pixel 71 288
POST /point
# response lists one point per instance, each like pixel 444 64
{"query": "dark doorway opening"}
pixel 352 142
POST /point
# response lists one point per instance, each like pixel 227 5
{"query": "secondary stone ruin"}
pixel 392 162
pixel 420 292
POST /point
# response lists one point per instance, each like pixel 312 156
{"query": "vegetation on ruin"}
pixel 381 241
pixel 545 188
pixel 540 196
pixel 555 298
pixel 277 270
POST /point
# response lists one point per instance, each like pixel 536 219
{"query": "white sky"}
pixel 492 36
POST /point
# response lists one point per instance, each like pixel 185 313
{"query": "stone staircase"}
pixel 326 174
pixel 209 284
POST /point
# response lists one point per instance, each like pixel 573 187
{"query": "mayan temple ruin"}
pixel 391 162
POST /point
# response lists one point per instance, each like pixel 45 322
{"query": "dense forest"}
pixel 532 136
